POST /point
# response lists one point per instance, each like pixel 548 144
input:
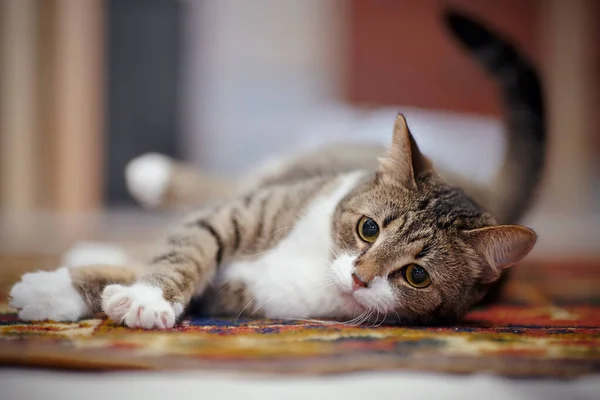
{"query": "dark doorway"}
pixel 142 101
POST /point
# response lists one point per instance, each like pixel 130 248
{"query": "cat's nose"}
pixel 357 283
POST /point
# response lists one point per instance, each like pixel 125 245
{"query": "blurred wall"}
pixel 263 75
pixel 255 70
pixel 401 53
pixel 270 76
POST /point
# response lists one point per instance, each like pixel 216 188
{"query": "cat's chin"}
pixel 352 304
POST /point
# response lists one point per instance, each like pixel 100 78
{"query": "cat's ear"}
pixel 501 246
pixel 403 161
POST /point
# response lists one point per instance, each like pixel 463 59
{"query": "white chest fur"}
pixel 293 280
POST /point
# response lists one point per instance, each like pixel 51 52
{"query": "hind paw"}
pixel 47 295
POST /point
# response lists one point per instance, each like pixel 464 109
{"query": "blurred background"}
pixel 85 86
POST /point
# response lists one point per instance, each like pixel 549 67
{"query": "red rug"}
pixel 514 340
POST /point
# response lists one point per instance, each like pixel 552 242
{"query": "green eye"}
pixel 368 230
pixel 417 276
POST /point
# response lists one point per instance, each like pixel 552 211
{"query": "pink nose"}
pixel 357 283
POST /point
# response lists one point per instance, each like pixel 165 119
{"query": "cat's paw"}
pixel 148 177
pixel 47 295
pixel 140 306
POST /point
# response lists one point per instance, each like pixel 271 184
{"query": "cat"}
pixel 354 234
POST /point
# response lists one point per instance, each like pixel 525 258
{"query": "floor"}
pixel 18 384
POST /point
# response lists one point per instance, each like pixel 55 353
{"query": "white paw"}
pixel 139 306
pixel 88 253
pixel 46 295
pixel 147 178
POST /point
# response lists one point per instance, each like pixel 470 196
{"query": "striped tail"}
pixel 515 185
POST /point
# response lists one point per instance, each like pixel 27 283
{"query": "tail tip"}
pixel 147 178
pixel 466 28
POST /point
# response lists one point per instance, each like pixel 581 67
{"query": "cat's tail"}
pixel 515 184
pixel 157 181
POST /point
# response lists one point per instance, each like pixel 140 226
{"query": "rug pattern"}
pixel 507 339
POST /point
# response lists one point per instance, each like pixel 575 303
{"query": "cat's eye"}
pixel 417 276
pixel 368 230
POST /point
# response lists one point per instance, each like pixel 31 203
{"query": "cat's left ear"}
pixel 501 246
pixel 403 160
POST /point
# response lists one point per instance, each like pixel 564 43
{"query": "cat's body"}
pixel 292 280
pixel 351 233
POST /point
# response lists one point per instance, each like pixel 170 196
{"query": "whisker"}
pixel 355 318
pixel 246 306
pixel 368 317
pixel 259 254
pixel 393 309
pixel 308 319
pixel 364 317
pixel 279 230
pixel 367 314
pixel 384 316
pixel 259 307
pixel 377 316
pixel 347 250
pixel 225 286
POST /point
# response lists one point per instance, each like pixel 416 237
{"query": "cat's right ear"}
pixel 501 246
pixel 403 161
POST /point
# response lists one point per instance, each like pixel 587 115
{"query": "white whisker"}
pixel 355 318
pixel 308 319
pixel 259 307
pixel 279 230
pixel 368 318
pixel 225 286
pixel 363 317
pixel 377 315
pixel 393 309
pixel 246 306
pixel 259 254
pixel 384 316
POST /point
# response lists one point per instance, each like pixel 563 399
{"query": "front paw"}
pixel 47 295
pixel 140 306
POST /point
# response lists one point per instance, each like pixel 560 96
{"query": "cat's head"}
pixel 410 245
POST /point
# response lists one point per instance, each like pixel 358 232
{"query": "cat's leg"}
pixel 66 294
pixel 157 181
pixel 193 253
pixel 74 292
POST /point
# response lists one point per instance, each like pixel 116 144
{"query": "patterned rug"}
pixel 522 340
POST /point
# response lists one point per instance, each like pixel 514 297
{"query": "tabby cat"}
pixel 354 233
